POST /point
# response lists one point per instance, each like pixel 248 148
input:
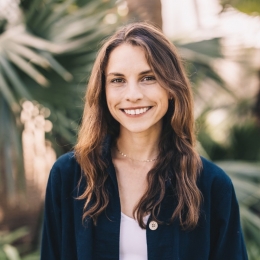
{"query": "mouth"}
pixel 136 111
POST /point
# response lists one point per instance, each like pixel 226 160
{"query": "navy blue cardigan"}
pixel 217 236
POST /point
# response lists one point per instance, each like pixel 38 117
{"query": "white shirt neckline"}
pixel 133 243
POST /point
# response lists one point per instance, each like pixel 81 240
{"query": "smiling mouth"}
pixel 137 111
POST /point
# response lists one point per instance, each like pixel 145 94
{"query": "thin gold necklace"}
pixel 148 160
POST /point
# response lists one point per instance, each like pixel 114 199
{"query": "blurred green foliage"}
pixel 46 58
pixel 251 7
pixel 7 250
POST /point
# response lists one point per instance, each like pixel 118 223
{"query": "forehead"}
pixel 127 57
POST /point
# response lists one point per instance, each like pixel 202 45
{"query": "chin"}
pixel 139 128
pixel 135 129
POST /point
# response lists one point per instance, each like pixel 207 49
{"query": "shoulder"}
pixel 217 190
pixel 66 168
pixel 65 161
pixel 213 179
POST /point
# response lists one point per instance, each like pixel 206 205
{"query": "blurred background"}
pixel 47 48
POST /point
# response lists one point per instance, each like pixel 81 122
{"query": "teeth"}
pixel 136 111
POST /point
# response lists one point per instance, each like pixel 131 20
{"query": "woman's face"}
pixel 134 97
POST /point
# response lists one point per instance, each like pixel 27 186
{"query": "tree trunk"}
pixel 146 10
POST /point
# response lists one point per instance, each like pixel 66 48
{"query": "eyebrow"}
pixel 120 74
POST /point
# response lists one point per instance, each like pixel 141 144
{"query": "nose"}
pixel 133 91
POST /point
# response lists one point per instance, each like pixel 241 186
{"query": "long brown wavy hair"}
pixel 177 154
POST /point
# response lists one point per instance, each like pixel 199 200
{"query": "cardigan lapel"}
pixel 107 231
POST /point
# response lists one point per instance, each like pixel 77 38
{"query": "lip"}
pixel 133 108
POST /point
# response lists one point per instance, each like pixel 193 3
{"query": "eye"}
pixel 149 78
pixel 117 80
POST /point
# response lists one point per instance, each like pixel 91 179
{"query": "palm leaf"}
pixel 56 45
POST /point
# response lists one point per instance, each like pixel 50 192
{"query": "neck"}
pixel 139 146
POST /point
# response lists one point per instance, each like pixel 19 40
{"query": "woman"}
pixel 135 187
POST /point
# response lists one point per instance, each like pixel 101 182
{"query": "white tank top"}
pixel 133 244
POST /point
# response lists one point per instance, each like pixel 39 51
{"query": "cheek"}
pixel 111 101
pixel 165 107
pixel 164 101
pixel 108 98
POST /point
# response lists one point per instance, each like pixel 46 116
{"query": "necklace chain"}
pixel 148 160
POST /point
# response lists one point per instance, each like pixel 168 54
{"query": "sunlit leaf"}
pixel 11 252
pixel 57 67
pixel 27 68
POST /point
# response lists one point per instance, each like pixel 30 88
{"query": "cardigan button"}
pixel 153 225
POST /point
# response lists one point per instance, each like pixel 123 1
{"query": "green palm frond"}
pixel 47 58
